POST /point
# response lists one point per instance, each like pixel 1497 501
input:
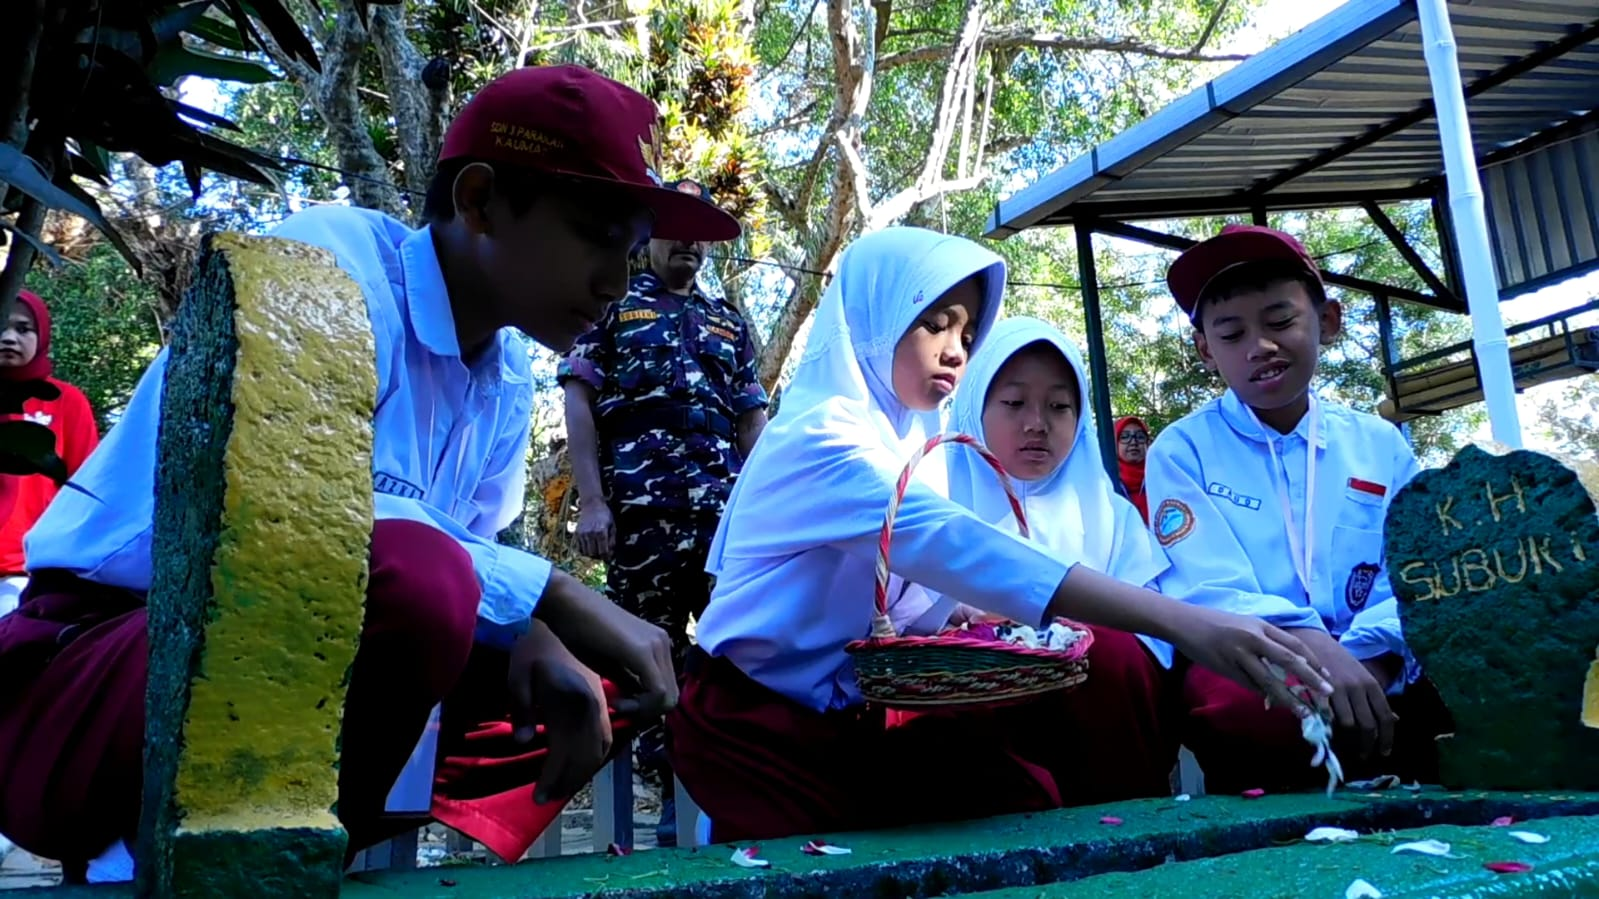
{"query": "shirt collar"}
pixel 1244 422
pixel 426 297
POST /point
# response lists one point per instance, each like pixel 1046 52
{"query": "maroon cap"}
pixel 570 121
pixel 1236 245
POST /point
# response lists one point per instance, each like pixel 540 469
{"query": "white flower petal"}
pixel 1182 797
pixel 1425 847
pixel 745 858
pixel 1527 836
pixel 1332 835
pixel 1360 889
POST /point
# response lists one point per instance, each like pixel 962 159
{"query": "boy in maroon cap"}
pixel 547 184
pixel 1270 502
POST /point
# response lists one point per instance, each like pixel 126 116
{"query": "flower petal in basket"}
pixel 945 672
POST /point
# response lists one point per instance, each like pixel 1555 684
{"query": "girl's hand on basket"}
pixel 1239 647
pixel 965 614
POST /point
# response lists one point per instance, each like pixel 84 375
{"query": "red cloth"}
pixel 73 667
pixel 1132 473
pixel 484 782
pixel 23 499
pixel 1242 745
pixel 763 767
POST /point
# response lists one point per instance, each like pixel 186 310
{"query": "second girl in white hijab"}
pixel 1025 397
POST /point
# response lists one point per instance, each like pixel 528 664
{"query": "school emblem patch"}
pixel 1173 521
pixel 1358 588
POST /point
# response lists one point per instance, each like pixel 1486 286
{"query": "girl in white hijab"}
pixel 770 736
pixel 1025 396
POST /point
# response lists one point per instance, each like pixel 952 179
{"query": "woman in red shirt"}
pixel 1132 444
pixel 25 356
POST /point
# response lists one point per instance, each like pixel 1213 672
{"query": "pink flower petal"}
pixel 1508 867
pixel 1111 820
pixel 1502 821
pixel 1256 793
pixel 817 847
pixel 746 858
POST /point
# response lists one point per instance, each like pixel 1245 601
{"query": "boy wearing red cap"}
pixel 546 185
pixel 1270 502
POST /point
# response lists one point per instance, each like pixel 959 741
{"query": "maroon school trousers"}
pixel 762 766
pixel 1242 745
pixel 73 665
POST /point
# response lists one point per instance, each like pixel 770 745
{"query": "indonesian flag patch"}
pixel 1369 487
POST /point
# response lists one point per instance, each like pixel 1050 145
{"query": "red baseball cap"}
pixel 574 122
pixel 1236 245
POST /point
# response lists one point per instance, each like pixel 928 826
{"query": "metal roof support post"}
pixel 1470 222
pixel 1390 353
pixel 1098 368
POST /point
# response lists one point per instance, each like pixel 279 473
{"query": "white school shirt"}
pixel 797 648
pixel 1215 505
pixel 450 440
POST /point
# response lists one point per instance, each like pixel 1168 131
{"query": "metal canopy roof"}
pixel 1338 113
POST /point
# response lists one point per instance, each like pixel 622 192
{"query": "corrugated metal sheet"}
pixel 1340 112
pixel 1543 212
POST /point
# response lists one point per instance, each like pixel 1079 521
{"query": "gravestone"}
pixel 262 528
pixel 1495 561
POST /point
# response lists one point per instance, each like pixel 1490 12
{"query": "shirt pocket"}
pixel 1356 568
pixel 1363 509
pixel 716 349
pixel 646 356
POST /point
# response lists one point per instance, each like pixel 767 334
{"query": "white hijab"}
pixel 1075 510
pixel 824 469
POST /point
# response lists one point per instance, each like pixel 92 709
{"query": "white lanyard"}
pixel 1301 541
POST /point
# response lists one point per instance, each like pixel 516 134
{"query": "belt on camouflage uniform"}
pixel 624 424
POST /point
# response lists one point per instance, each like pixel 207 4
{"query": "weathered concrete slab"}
pixel 1495 560
pixel 1568 865
pixel 972 857
pixel 1162 848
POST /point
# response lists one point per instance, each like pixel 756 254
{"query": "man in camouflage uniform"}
pixel 662 406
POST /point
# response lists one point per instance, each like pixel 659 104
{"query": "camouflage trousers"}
pixel 657 572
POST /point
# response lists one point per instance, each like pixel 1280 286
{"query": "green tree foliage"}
pixel 1572 421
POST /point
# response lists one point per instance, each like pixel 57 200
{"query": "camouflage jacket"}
pixel 671 376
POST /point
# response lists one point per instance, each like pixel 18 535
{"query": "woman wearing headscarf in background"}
pixel 25 356
pixel 771 737
pixel 1132 446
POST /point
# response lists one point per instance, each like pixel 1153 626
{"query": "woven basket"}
pixel 946 671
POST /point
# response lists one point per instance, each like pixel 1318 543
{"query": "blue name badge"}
pixel 1222 491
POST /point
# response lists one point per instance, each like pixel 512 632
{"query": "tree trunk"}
pixel 335 95
pixel 418 111
pixel 17 57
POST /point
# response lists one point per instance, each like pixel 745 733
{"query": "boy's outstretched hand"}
pixel 635 655
pixel 547 682
pixel 1359 700
pixel 1238 648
